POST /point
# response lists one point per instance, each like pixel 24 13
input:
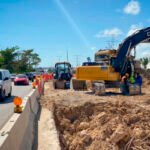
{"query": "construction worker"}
pixel 132 79
pixel 125 84
pixel 138 80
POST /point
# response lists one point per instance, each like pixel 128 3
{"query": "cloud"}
pixel 134 28
pixel 132 8
pixel 114 32
pixel 143 50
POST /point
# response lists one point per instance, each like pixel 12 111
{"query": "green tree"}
pixel 8 56
pixel 18 61
pixel 145 61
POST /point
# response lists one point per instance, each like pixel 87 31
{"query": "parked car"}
pixel 5 84
pixel 31 75
pixel 12 77
pixel 21 79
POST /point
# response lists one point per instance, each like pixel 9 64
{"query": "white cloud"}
pixel 143 50
pixel 134 28
pixel 132 8
pixel 114 32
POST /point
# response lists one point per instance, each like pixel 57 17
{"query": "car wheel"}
pixel 3 95
pixel 9 94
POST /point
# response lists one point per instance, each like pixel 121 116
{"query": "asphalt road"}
pixel 7 107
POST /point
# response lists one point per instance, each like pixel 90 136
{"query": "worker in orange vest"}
pixel 124 85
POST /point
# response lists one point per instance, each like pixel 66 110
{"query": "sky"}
pixel 54 28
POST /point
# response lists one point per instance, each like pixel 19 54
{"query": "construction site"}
pixel 85 121
pixel 102 105
pixel 93 113
pixel 67 87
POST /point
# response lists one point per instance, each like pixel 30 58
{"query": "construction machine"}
pixel 62 75
pixel 105 55
pixel 120 61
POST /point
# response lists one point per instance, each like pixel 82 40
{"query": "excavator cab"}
pixel 62 75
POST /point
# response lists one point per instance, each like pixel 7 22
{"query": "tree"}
pixel 88 59
pixel 144 61
pixel 18 61
pixel 8 57
pixel 29 60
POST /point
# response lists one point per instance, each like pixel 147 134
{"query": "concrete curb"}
pixel 18 132
pixel 48 135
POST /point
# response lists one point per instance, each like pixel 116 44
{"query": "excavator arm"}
pixel 124 50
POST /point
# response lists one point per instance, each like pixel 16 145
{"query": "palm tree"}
pixel 145 61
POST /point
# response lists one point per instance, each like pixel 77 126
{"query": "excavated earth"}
pixel 112 122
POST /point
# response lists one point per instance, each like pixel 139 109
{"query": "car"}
pixel 31 75
pixel 13 76
pixel 21 79
pixel 5 84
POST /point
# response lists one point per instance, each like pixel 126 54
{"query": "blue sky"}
pixel 81 27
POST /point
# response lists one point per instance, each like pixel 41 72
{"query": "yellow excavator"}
pixel 117 63
pixel 105 55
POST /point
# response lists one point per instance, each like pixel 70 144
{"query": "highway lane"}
pixel 7 107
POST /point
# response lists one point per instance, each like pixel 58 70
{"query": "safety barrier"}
pixel 19 132
pixel 46 77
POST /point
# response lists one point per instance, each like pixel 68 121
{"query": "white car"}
pixel 5 84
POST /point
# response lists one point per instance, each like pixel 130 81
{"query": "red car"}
pixel 21 79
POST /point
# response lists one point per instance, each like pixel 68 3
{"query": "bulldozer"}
pixel 62 75
pixel 117 63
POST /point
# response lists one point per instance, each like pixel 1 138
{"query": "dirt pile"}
pixel 103 126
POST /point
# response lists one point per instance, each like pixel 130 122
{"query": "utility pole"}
pixel 77 59
pixel 111 43
pixel 67 56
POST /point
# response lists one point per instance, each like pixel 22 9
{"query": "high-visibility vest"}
pixel 131 79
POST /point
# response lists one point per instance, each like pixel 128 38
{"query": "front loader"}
pixel 62 75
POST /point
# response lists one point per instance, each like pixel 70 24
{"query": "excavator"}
pixel 105 55
pixel 118 65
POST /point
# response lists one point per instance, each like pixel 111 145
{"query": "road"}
pixel 7 107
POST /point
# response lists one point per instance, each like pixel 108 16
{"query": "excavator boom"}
pixel 141 36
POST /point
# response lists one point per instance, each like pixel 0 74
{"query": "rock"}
pixel 83 125
pixel 82 133
pixel 119 134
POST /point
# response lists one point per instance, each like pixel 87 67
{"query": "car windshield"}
pixel 21 76
pixel 63 68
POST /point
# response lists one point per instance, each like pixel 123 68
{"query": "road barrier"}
pixel 47 77
pixel 19 132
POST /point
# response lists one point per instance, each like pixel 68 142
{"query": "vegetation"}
pixel 18 61
pixel 145 61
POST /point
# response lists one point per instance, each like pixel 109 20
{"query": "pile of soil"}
pixel 103 126
pixel 111 122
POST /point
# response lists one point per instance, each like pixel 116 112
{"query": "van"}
pixel 5 84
